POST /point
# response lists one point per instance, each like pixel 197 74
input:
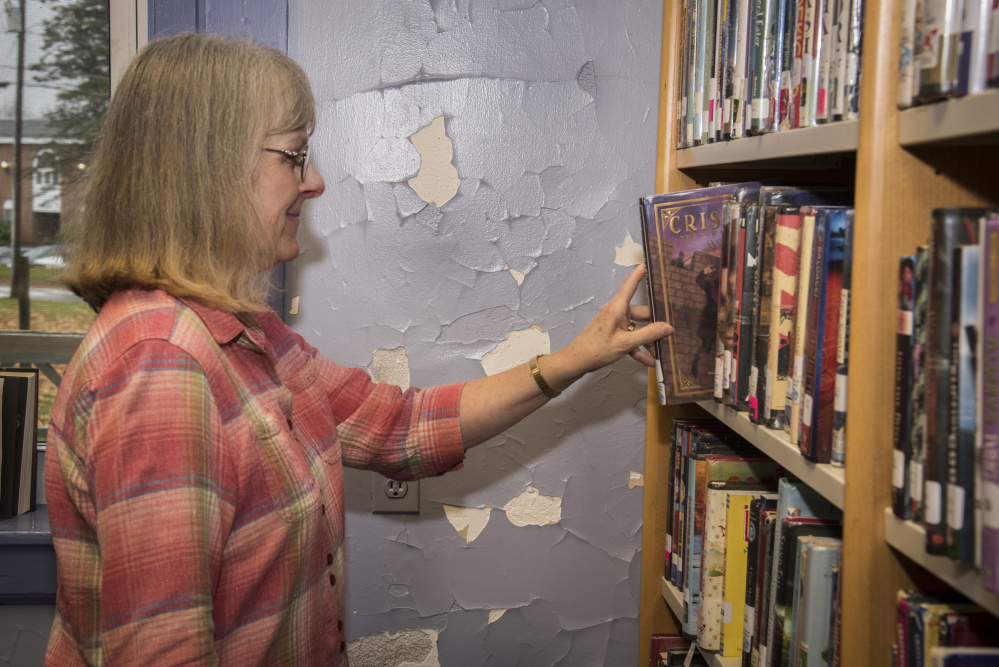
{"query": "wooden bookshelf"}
pixel 901 165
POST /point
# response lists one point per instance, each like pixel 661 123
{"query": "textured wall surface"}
pixel 495 234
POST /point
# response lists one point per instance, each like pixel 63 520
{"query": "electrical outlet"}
pixel 392 497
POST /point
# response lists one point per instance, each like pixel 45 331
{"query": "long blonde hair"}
pixel 168 197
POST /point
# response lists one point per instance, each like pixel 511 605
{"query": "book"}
pixel 950 227
pixel 987 409
pixel 682 239
pixel 759 655
pixel 837 455
pixel 710 611
pixel 759 509
pixel 19 462
pixel 659 643
pixel 724 305
pixel 992 47
pixel 741 94
pixel 961 656
pixel 731 213
pixel 818 562
pixel 839 43
pixel 906 56
pixel 960 522
pixel 745 209
pixel 785 82
pixel 917 436
pixel 799 339
pixel 973 48
pixel 762 51
pixel 828 254
pixel 901 424
pixel 735 581
pixel 939 50
pixel 855 40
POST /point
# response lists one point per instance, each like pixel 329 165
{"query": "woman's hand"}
pixel 613 334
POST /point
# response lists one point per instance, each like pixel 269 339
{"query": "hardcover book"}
pixel 903 387
pixel 987 433
pixel 799 339
pixel 745 210
pixel 950 228
pixel 838 456
pixel 939 49
pixel 19 463
pixel 917 435
pixel 682 238
pixel 759 509
pixel 814 600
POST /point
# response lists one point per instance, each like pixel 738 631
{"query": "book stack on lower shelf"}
pixel 945 482
pixel 752 554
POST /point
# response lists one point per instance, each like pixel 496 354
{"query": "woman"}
pixel 195 480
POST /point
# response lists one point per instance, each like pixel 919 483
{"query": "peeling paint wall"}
pixel 483 161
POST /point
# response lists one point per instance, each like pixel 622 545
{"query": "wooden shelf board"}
pixel 674 598
pixel 828 480
pixel 970 120
pixel 909 539
pixel 806 146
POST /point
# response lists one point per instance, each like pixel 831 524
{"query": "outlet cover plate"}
pixel 392 497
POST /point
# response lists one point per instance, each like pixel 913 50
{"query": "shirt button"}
pixel 289 422
pixel 332 580
pixel 339 626
pixel 324 509
pixel 343 647
pixel 329 559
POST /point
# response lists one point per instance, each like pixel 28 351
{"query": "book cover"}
pixel 14 423
pixel 841 28
pixel 962 656
pixel 785 83
pixel 734 64
pixel 25 461
pixel 939 50
pixel 799 339
pixel 724 304
pixel 973 51
pixel 972 626
pixel 917 434
pixel 710 610
pixel 903 389
pixel 745 210
pixel 759 656
pixel 961 438
pixel 787 248
pixel 811 52
pixel 815 601
pixel 722 10
pixel 906 56
pixel 731 213
pixel 823 312
pixel 756 537
pixel 855 40
pixel 659 643
pixel 987 432
pixel 950 227
pixel 837 456
pixel 822 78
pixel 762 48
pixel 734 577
pixel 684 248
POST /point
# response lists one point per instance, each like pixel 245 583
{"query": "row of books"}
pixel 755 555
pixel 755 280
pixel 948 48
pixel 750 67
pixel 18 440
pixel 946 421
pixel 672 650
pixel 942 630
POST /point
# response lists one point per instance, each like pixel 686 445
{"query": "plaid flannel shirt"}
pixel 195 485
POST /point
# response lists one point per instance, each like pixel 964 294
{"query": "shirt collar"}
pixel 227 327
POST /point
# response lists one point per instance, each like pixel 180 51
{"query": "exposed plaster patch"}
pixel 517 275
pixel 586 79
pixel 437 181
pixel 390 366
pixel 636 479
pixel 516 349
pixel 294 306
pixel 494 615
pixel 629 253
pixel 411 647
pixel 533 509
pixel 468 521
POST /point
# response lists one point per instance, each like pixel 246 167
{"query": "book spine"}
pixel 971 51
pixel 741 70
pixel 760 657
pixel 721 66
pixel 822 78
pixel 787 251
pixel 774 64
pixel 992 47
pixel 903 389
pixel 724 299
pixel 819 601
pixel 786 79
pixel 747 382
pixel 961 439
pixel 752 550
pixel 840 41
pixel 816 306
pixel 811 27
pixel 837 456
pixel 938 55
pixel 764 312
pixel 762 45
pixel 734 292
pixel 917 434
pixel 801 24
pixel 654 283
pixel 950 228
pixel 734 580
pixel 854 43
pixel 799 342
pixel 712 567
pixel 987 470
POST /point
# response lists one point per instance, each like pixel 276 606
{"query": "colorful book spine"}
pixel 987 470
pixel 906 56
pixel 724 303
pixel 764 310
pixel 901 448
pixel 837 456
pixel 783 305
pixel 992 47
pixel 799 341
pixel 759 509
pixel 939 52
pixel 820 559
pixel 973 51
pixel 917 435
pixel 762 48
pixel 746 396
pixel 734 580
pixel 961 438
pixel 802 23
pixel 853 51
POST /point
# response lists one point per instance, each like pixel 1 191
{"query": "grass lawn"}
pixel 67 316
pixel 39 276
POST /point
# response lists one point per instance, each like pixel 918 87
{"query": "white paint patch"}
pixel 294 306
pixel 636 479
pixel 494 615
pixel 533 509
pixel 412 647
pixel 517 275
pixel 517 348
pixel 629 253
pixel 390 366
pixel 468 521
pixel 437 181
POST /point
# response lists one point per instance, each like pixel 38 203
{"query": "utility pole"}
pixel 19 266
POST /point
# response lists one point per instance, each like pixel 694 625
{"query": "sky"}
pixel 38 97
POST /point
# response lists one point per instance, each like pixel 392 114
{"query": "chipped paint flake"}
pixel 294 306
pixel 517 275
pixel 494 615
pixel 629 253
pixel 412 647
pixel 636 479
pixel 533 509
pixel 468 521
pixel 517 348
pixel 437 181
pixel 390 366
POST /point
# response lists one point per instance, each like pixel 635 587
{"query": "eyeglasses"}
pixel 301 159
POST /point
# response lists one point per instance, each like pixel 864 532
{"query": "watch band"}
pixel 540 379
